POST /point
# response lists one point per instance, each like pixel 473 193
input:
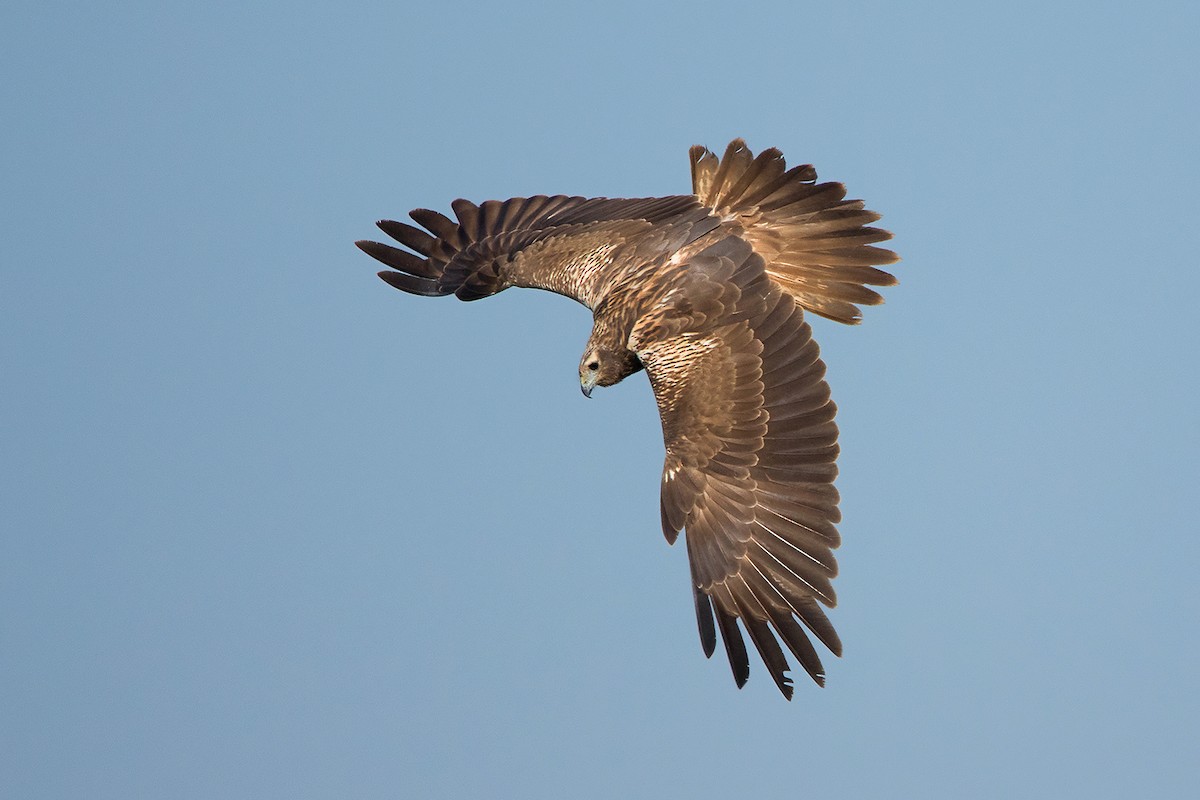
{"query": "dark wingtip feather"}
pixel 797 641
pixel 398 259
pixel 704 620
pixel 408 236
pixel 816 621
pixel 735 647
pixel 669 531
pixel 467 213
pixel 768 648
pixel 439 225
pixel 412 284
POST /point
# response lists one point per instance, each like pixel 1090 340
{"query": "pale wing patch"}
pixel 579 262
pixel 687 349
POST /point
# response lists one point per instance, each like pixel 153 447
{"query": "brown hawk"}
pixel 706 292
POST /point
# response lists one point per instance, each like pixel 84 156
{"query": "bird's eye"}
pixel 594 365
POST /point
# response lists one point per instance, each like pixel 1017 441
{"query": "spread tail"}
pixel 817 245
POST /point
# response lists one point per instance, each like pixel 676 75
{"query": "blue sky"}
pixel 273 529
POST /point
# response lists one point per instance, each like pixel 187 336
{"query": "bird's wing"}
pixel 817 245
pixel 575 246
pixel 751 444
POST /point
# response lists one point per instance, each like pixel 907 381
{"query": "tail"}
pixel 815 242
pixel 464 258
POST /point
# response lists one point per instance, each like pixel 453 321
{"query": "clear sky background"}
pixel 272 529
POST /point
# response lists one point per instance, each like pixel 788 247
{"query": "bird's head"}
pixel 603 367
pixel 596 369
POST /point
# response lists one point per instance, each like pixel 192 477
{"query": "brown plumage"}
pixel 706 292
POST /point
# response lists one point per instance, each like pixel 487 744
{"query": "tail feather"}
pixel 816 243
pixel 731 168
pixel 704 169
pixel 761 176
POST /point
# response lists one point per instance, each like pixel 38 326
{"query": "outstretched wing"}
pixel 574 246
pixel 817 245
pixel 749 470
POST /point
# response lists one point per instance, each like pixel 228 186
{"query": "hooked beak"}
pixel 586 385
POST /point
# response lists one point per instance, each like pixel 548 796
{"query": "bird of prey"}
pixel 707 293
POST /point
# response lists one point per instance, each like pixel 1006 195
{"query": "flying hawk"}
pixel 706 292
